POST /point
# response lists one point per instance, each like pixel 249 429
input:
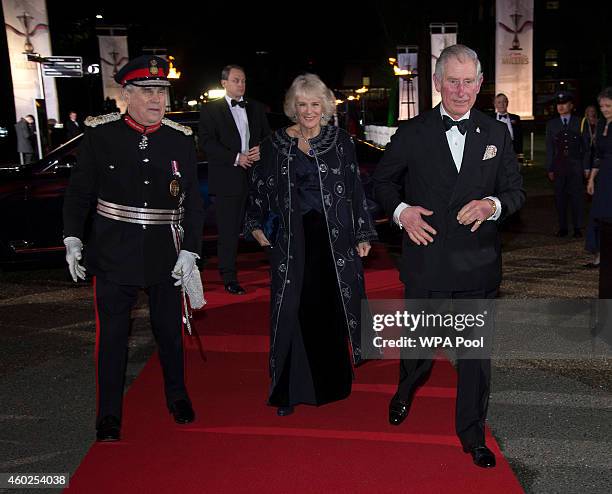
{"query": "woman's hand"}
pixel 260 237
pixel 591 187
pixel 363 248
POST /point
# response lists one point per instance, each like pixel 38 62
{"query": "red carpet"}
pixel 238 444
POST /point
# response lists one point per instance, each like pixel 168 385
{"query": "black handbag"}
pixel 270 227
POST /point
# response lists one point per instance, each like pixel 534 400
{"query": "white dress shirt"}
pixel 242 123
pixel 456 144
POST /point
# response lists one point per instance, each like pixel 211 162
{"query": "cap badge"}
pixel 153 67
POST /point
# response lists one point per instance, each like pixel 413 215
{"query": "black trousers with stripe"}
pixel 113 306
pixel 474 376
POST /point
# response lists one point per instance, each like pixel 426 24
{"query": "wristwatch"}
pixel 494 208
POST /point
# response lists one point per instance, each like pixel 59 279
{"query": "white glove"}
pixel 184 266
pixel 74 248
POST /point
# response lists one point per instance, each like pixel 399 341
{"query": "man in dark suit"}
pixel 73 127
pixel 512 121
pixel 231 129
pixel 450 174
pixel 565 148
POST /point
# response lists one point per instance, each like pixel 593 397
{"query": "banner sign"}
pixel 442 35
pixel 407 61
pixel 514 54
pixel 113 56
pixel 27 32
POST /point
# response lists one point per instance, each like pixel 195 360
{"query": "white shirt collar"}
pixel 444 112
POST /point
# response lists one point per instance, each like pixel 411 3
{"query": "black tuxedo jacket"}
pixel 220 140
pixel 418 169
pixel 72 129
pixel 517 131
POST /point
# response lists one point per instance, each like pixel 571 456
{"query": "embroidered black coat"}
pixel 272 189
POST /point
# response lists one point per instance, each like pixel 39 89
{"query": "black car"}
pixel 31 196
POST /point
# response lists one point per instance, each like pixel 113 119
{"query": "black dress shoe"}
pixel 562 233
pixel 591 265
pixel 182 412
pixel 234 288
pixel 284 411
pixel 109 429
pixel 483 457
pixel 577 233
pixel 398 411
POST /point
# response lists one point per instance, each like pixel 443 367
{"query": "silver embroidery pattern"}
pixel 336 196
pixel 102 119
pixel 176 126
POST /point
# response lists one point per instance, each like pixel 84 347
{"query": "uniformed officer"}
pixel 564 162
pixel 139 170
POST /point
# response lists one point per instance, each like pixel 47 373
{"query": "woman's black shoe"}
pixel 109 429
pixel 284 411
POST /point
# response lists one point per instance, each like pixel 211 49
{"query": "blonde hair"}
pixel 310 85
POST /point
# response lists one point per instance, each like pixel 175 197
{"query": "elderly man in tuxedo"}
pixel 512 121
pixel 231 129
pixel 447 178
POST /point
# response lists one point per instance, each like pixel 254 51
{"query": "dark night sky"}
pixel 309 37
pixel 322 37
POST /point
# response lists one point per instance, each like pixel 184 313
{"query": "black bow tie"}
pixel 462 125
pixel 241 104
pixel 504 115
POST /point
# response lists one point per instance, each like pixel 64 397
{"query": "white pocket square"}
pixel 490 152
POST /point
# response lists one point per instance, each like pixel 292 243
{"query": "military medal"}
pixel 175 168
pixel 175 188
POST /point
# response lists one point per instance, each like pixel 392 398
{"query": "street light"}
pixel 407 75
pixel 215 94
pixel 172 72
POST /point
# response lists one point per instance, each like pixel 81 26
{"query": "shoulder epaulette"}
pixel 102 119
pixel 176 126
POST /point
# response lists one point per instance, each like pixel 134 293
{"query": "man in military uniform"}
pixel 564 162
pixel 139 169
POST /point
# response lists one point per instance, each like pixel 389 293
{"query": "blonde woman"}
pixel 308 208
